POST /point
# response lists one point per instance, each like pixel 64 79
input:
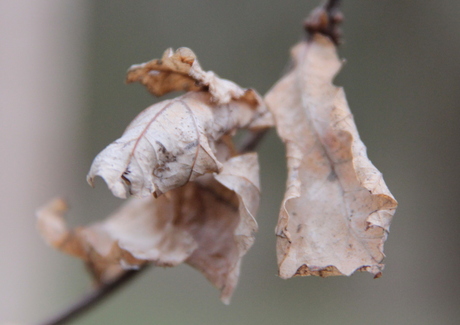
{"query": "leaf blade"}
pixel 336 211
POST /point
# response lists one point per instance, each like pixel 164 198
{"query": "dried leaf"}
pixel 172 142
pixel 169 144
pixel 337 209
pixel 181 71
pixel 207 223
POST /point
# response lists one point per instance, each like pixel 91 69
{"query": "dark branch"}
pixel 332 4
pixel 326 20
pixel 94 298
pixel 251 142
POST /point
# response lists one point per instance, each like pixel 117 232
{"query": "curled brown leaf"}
pixel 173 142
pixel 180 71
pixel 208 223
pixel 169 144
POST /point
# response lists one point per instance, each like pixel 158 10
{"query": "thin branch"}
pixel 251 142
pixel 326 20
pixel 332 4
pixel 94 298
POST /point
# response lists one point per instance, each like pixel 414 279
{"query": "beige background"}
pixel 63 98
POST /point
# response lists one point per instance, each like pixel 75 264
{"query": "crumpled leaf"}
pixel 181 71
pixel 172 142
pixel 208 223
pixel 337 210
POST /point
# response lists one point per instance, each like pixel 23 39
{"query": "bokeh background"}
pixel 63 99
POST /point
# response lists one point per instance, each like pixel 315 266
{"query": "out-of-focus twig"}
pixel 326 20
pixel 94 298
pixel 251 142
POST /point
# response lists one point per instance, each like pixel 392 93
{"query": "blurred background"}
pixel 63 99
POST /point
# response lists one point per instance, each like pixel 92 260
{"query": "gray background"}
pixel 402 82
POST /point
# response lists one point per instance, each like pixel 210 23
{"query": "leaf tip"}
pixel 90 180
pixel 225 300
pixel 117 186
pixel 50 222
pixel 167 53
pixel 186 55
pixel 157 193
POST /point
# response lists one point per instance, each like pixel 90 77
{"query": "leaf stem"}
pixel 92 299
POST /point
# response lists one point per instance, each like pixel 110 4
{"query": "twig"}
pixel 326 20
pixel 332 4
pixel 94 298
pixel 251 142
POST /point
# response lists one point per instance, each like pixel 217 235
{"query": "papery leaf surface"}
pixel 337 210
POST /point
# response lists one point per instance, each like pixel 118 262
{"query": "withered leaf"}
pixel 337 210
pixel 172 142
pixel 208 223
pixel 169 144
pixel 181 71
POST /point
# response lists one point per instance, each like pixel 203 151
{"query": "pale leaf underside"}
pixel 336 212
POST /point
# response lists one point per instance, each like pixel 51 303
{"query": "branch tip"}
pixel 325 20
